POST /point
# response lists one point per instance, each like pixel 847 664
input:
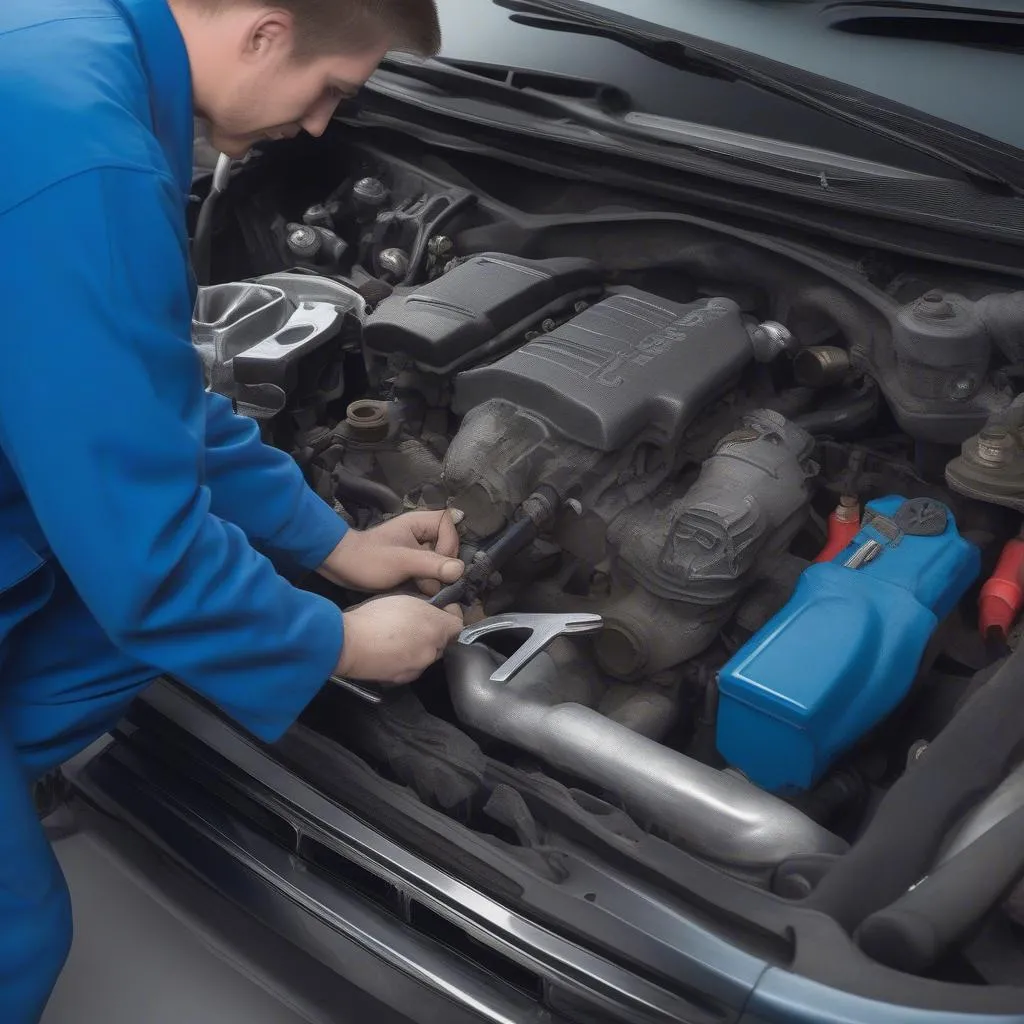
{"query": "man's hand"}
pixel 394 639
pixel 421 546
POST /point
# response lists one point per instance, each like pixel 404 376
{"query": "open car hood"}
pixel 931 83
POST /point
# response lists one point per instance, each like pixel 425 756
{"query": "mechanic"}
pixel 144 527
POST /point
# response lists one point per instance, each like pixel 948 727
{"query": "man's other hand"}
pixel 394 639
pixel 420 546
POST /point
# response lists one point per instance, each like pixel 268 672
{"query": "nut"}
pixel 439 245
pixel 995 447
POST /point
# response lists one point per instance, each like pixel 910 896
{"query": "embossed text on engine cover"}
pixel 632 363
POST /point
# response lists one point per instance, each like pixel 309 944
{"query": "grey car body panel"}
pixel 784 998
pixel 958 83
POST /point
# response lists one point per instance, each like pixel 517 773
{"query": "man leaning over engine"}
pixel 139 515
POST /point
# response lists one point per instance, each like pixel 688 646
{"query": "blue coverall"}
pixel 140 519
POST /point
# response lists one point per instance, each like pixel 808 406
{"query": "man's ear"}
pixel 272 33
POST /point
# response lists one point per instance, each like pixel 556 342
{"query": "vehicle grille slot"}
pixel 418 916
pixel 425 921
pixel 370 886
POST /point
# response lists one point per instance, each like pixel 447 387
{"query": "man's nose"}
pixel 317 120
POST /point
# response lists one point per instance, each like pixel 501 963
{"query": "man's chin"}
pixel 234 146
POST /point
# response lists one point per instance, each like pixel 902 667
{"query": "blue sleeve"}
pixel 103 416
pixel 262 490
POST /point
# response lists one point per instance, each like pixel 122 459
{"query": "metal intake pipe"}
pixel 715 815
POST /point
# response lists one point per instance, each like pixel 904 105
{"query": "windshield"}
pixel 778 30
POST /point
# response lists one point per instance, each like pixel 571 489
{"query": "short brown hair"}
pixel 322 26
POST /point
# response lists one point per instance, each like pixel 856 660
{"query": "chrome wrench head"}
pixel 544 629
pixel 369 692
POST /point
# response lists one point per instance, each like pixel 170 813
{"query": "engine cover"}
pixel 631 365
pixel 484 304
pixel 844 651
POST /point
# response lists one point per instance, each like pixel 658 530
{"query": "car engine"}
pixel 749 471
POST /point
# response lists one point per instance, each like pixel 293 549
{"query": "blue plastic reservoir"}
pixel 841 655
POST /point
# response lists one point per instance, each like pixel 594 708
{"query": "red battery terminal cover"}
pixel 1003 592
pixel 843 526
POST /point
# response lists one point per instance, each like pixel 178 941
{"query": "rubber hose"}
pixel 202 241
pixel 792 402
pixel 920 927
pixel 851 415
pixel 364 492
pixel 968 759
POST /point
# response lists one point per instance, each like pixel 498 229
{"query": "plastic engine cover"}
pixel 845 650
pixel 454 319
pixel 632 363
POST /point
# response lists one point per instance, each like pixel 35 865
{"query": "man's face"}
pixel 249 87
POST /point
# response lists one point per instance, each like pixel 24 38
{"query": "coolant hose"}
pixel 366 492
pixel 969 758
pixel 716 815
pixel 921 926
pixel 851 415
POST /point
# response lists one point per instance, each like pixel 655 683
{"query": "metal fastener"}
pixel 867 552
pixel 962 389
pixel 995 447
pixel 394 262
pixel 439 245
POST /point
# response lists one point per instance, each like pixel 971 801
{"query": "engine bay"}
pixel 785 480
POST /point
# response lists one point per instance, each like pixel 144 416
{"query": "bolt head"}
pixel 934 305
pixel 369 189
pixel 439 245
pixel 395 262
pixel 962 389
pixel 995 446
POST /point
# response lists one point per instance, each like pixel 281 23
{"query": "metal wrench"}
pixel 372 693
pixel 544 629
